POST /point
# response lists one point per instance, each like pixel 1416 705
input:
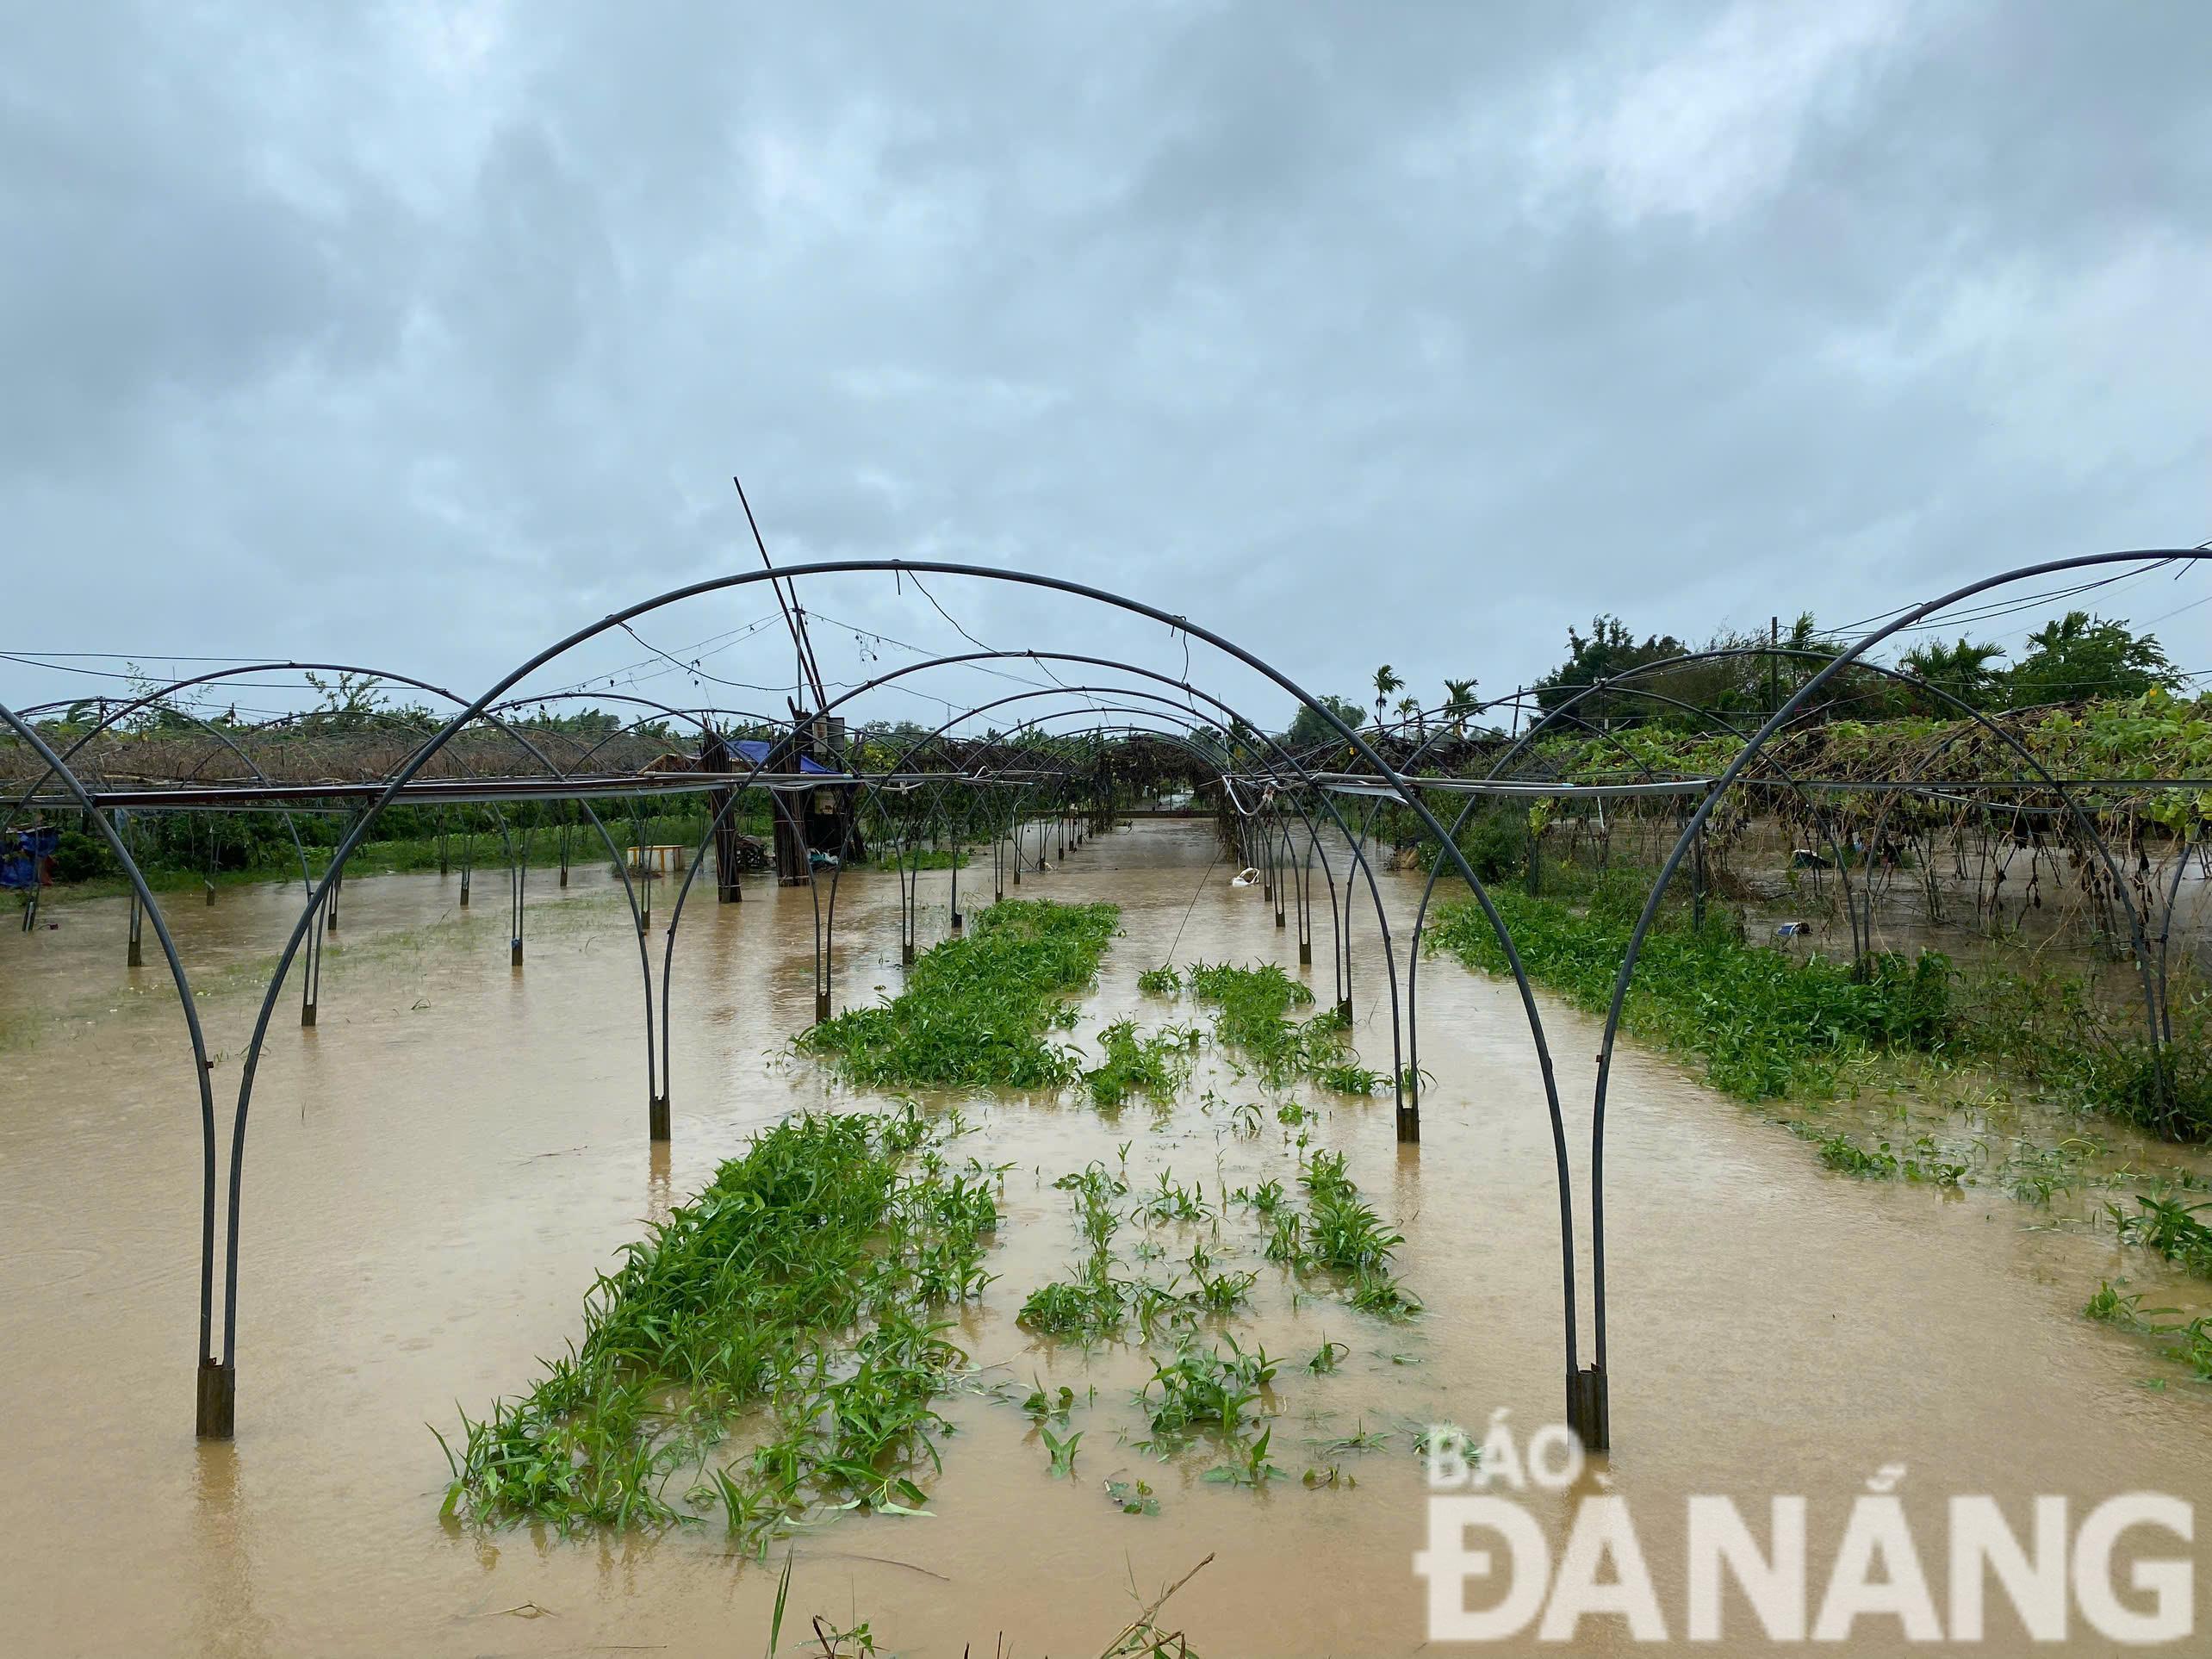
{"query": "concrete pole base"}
pixel 514 953
pixel 656 1115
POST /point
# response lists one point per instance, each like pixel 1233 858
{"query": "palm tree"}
pixel 1409 708
pixel 1386 681
pixel 1459 703
pixel 1966 670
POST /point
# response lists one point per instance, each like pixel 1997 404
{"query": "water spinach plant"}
pixel 774 1347
pixel 977 1012
pixel 1337 1232
pixel 1251 1017
pixel 1764 1024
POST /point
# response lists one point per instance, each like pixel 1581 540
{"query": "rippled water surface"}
pixel 436 1171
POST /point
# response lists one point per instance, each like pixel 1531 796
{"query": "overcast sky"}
pixel 422 334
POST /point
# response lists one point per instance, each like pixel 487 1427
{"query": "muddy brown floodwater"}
pixel 437 1171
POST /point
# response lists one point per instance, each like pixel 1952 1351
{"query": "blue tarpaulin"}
pixel 22 853
pixel 754 752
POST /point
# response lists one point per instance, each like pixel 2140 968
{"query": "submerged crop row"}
pixel 976 1011
pixel 1251 1017
pixel 1767 1026
pixel 1764 1024
pixel 803 1284
pixel 1203 1389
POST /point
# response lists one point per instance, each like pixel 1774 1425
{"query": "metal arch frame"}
pixel 826 921
pixel 907 836
pixel 659 1059
pixel 1755 745
pixel 1169 734
pixel 1428 891
pixel 1774 722
pixel 1342 944
pixel 824 942
pixel 216 1378
pixel 1408 1127
pixel 214 1399
pixel 124 711
pixel 306 877
pixel 219 1422
pixel 1588 1408
pixel 1407 1116
pixel 640 912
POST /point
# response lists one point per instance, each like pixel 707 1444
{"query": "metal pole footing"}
pixel 656 1114
pixel 218 1400
pixel 1589 1408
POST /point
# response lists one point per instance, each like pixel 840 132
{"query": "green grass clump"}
pixel 1153 1066
pixel 798 1290
pixel 1921 1161
pixel 1764 1024
pixel 1342 1230
pixel 1252 1008
pixel 1159 982
pixel 2192 1342
pixel 1094 1303
pixel 2114 1309
pixel 1339 1232
pixel 1206 1387
pixel 975 1010
pixel 2171 1229
pixel 1846 1156
pixel 1085 1309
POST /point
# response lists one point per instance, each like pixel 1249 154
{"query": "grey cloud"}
pixel 423 335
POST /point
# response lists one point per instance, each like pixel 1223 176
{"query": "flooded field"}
pixel 438 1171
